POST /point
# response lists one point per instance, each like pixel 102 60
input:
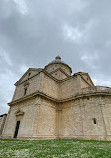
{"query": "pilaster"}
pixel 58 119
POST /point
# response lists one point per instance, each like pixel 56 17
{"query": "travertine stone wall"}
pixel 77 119
pixel 71 122
pixel 83 83
pixel 59 75
pixel 41 82
pixel 32 86
pixel 93 110
pixel 69 87
pixel 49 86
pixel 27 120
pixel 38 120
pixel 2 123
pixel 86 77
pixel 105 105
pixel 33 73
pixel 45 119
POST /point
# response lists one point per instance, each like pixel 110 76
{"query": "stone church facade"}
pixel 51 103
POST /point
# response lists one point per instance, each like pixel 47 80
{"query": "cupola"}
pixel 58 64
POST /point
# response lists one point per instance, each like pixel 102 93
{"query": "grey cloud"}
pixel 32 34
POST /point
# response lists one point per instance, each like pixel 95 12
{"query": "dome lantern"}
pixel 58 58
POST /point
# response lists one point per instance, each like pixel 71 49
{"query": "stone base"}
pixel 93 137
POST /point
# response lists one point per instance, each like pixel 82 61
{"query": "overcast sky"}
pixel 33 32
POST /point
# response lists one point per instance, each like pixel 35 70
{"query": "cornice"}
pixel 39 93
pixel 49 75
pixel 18 82
pixel 61 100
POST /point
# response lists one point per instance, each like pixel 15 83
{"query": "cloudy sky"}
pixel 33 32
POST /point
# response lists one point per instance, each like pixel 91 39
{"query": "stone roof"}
pixel 58 61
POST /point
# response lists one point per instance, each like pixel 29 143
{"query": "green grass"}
pixel 55 149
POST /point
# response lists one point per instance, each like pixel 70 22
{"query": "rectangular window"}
pixel 25 91
pixel 94 121
pixel 29 73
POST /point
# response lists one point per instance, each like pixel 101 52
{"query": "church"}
pixel 51 103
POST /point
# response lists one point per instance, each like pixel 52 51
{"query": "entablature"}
pixel 86 92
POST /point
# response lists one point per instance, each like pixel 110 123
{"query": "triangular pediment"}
pixel 28 74
pixel 59 74
pixel 85 78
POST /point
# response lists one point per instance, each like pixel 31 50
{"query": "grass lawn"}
pixel 55 149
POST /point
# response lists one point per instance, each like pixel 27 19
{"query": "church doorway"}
pixel 17 129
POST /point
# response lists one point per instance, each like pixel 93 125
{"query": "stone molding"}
pixel 19 112
pixel 61 100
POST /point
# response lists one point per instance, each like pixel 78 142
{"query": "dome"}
pixel 58 61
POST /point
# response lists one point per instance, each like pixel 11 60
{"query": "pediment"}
pixel 59 74
pixel 28 74
pixel 86 78
pixel 19 112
